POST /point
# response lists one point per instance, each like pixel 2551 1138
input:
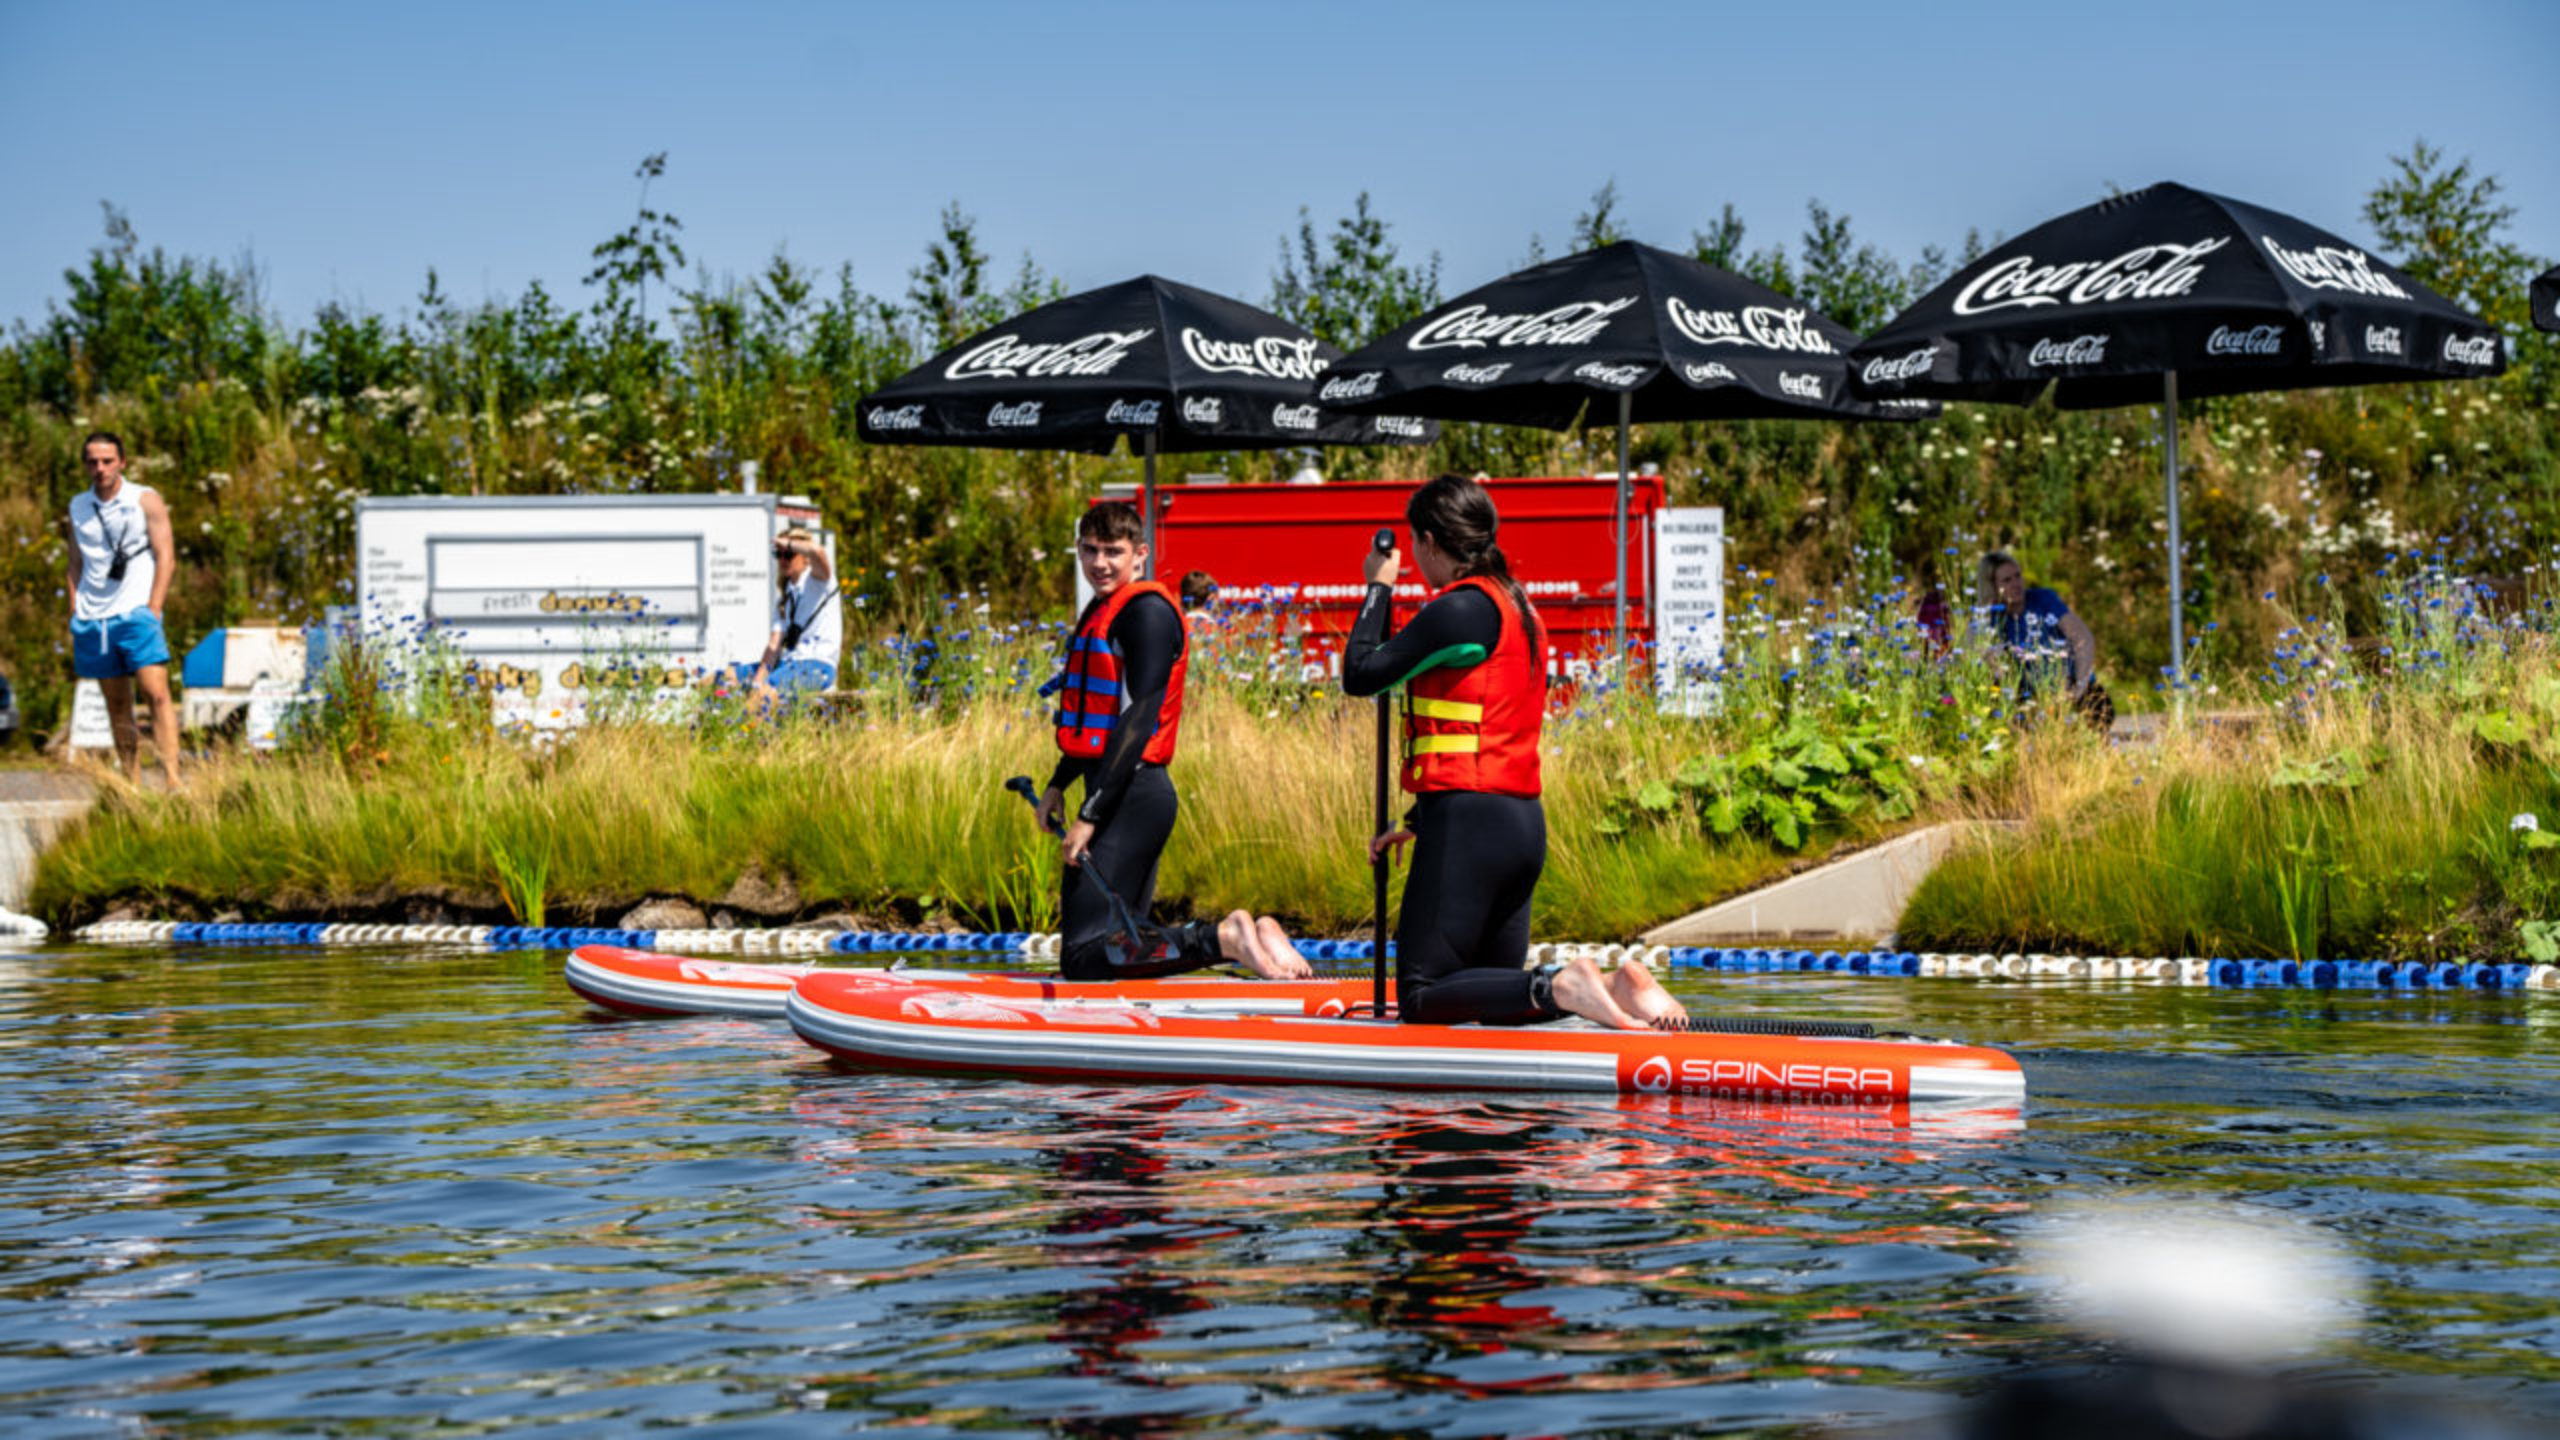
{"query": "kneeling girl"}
pixel 1473 666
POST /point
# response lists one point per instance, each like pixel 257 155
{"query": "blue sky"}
pixel 349 147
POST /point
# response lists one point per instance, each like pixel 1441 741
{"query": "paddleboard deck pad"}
pixel 1094 1033
pixel 644 983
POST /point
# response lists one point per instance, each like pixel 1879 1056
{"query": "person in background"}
pixel 2033 623
pixel 1119 713
pixel 808 624
pixel 1930 613
pixel 1198 590
pixel 122 556
pixel 1476 698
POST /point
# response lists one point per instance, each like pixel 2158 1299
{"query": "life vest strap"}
pixel 1447 744
pixel 1424 707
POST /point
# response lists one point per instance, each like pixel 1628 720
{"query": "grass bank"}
pixel 2364 804
pixel 2390 802
pixel 394 789
pixel 901 818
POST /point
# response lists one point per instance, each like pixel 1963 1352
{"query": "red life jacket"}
pixel 1477 728
pixel 1090 696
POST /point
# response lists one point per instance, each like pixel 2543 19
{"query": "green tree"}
pixel 645 250
pixel 2445 225
pixel 1350 285
pixel 1854 283
pixel 948 292
pixel 1720 245
pixel 1600 225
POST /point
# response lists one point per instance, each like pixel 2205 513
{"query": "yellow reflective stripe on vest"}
pixel 1447 744
pixel 1425 708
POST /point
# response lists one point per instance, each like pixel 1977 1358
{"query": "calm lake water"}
pixel 297 1191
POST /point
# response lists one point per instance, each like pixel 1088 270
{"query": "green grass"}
pixel 2376 817
pixel 900 816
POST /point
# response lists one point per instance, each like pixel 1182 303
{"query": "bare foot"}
pixel 1642 996
pixel 1580 990
pixel 1286 962
pixel 1237 942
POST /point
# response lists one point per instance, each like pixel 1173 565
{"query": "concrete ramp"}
pixel 34 806
pixel 1857 897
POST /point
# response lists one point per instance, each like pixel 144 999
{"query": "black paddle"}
pixel 1385 544
pixel 1021 785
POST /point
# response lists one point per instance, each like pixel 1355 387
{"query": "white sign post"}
pixel 90 729
pixel 1688 608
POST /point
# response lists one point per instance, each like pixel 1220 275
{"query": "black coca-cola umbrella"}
pixel 2546 299
pixel 1172 368
pixel 1626 331
pixel 2138 297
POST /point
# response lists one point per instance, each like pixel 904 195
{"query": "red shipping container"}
pixel 1297 548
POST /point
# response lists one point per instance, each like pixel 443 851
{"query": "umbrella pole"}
pixel 2177 580
pixel 1618 629
pixel 1147 506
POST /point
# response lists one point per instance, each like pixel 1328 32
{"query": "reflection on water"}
pixel 427 1194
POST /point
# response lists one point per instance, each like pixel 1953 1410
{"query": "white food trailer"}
pixel 552 600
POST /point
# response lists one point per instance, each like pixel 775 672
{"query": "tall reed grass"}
pixel 2361 800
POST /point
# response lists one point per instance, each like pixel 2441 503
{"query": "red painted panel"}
pixel 1304 544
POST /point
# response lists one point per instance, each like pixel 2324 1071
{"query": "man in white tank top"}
pixel 122 555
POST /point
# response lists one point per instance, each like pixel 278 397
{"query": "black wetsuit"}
pixel 1132 805
pixel 1462 938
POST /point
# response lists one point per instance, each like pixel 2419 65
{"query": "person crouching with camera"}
pixel 122 555
pixel 808 624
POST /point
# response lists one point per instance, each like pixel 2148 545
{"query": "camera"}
pixel 115 567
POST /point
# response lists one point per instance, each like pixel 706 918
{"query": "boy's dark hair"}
pixel 1111 520
pixel 1198 590
pixel 105 437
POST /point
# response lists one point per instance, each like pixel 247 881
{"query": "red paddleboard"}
pixel 1109 1033
pixel 643 983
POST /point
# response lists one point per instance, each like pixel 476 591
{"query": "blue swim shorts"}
pixel 798 677
pixel 118 646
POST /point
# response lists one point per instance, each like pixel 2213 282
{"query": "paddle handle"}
pixel 1021 785
pixel 1385 543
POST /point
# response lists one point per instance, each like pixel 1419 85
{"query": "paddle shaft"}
pixel 1386 544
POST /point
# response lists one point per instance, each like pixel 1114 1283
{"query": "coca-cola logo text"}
pixel 1014 417
pixel 1621 376
pixel 1403 425
pixel 1475 374
pixel 2471 350
pixel 2383 339
pixel 1768 326
pixel 1352 387
pixel 1472 327
pixel 2144 273
pixel 2333 267
pixel 1294 417
pixel 1277 356
pixel 1709 373
pixel 905 417
pixel 1802 387
pixel 1889 369
pixel 1133 412
pixel 2077 350
pixel 1002 357
pixel 2256 340
pixel 1203 410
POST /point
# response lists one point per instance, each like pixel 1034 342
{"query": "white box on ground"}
pixel 1688 607
pixel 552 598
